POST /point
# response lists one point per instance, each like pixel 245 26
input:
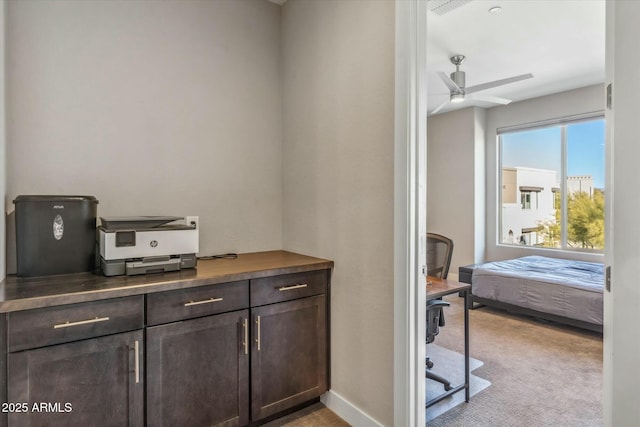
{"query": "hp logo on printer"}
pixel 153 243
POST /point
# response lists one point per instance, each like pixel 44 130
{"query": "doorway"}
pixel 464 139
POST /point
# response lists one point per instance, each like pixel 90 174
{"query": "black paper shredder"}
pixel 55 234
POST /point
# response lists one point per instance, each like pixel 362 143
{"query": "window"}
pixel 552 186
pixel 525 199
pixel 529 197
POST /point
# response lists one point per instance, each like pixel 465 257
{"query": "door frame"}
pixel 410 217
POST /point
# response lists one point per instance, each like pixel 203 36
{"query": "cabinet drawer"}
pixel 64 323
pixel 273 289
pixel 171 306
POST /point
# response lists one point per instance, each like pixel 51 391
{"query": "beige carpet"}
pixel 541 373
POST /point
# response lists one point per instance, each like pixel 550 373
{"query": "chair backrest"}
pixel 439 251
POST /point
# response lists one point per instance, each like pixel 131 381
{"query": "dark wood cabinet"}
pixel 285 287
pixel 77 364
pixel 289 355
pixel 95 382
pixel 171 306
pixel 73 322
pixel 234 343
pixel 198 372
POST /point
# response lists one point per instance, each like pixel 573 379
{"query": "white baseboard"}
pixel 347 410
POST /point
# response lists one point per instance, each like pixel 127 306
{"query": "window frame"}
pixel 562 123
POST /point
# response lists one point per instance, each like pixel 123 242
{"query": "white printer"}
pixel 147 244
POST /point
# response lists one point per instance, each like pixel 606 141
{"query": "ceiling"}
pixel 561 42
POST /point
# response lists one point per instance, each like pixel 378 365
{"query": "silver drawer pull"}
pixel 81 322
pixel 258 332
pixel 204 301
pixel 246 336
pixel 289 288
pixel 136 356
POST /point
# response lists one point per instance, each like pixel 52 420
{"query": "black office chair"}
pixel 439 251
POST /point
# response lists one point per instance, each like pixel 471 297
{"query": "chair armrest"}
pixel 437 303
pixel 434 308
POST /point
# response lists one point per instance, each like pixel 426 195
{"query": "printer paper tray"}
pixel 147 266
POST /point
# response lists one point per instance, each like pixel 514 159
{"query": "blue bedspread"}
pixel 572 289
pixel 577 274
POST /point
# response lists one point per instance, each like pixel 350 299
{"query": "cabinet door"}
pixel 289 355
pixel 198 372
pixel 94 382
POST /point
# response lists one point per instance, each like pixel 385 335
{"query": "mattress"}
pixel 572 289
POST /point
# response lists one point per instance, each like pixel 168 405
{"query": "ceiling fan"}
pixel 458 92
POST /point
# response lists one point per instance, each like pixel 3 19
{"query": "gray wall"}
pixel 154 107
pixel 455 182
pixel 338 146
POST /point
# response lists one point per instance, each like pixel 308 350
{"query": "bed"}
pixel 559 290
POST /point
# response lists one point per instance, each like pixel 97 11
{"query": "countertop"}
pixel 18 293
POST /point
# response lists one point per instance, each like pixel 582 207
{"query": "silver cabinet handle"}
pixel 258 332
pixel 289 288
pixel 245 343
pixel 136 356
pixel 204 301
pixel 81 322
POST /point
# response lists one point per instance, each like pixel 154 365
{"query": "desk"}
pixel 437 288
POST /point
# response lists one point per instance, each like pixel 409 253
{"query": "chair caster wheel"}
pixel 447 388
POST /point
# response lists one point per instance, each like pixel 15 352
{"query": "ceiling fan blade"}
pixel 495 83
pixel 492 99
pixel 438 108
pixel 450 83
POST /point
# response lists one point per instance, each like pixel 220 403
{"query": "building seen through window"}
pixel 552 186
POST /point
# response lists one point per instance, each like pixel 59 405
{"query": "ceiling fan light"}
pixel 457 97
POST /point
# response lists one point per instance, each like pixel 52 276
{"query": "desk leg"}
pixel 466 346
